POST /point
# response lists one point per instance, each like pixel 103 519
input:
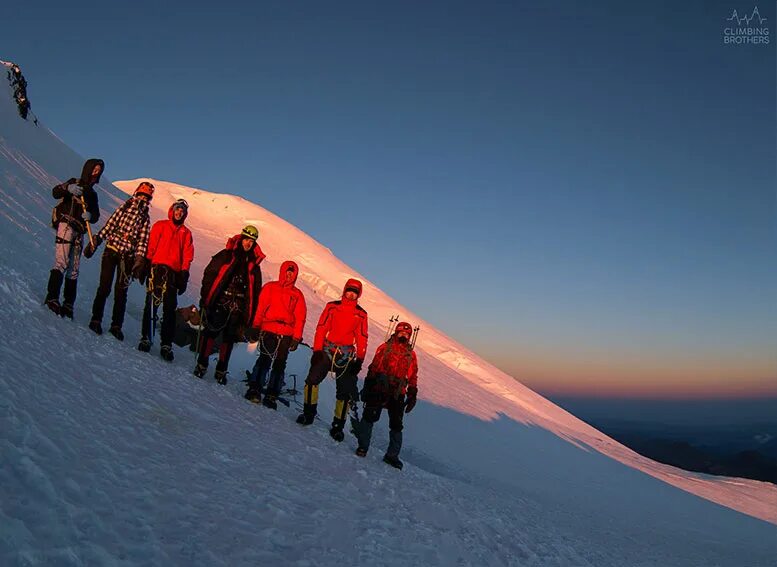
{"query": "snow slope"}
pixel 111 456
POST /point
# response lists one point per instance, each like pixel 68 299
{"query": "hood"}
pixel 86 172
pixel 284 268
pixel 355 284
pixel 233 243
pixel 183 219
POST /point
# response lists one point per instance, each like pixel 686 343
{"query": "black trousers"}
pixel 273 354
pixel 161 288
pixel 321 364
pixel 121 265
pixel 225 320
pixel 375 399
pixel 395 408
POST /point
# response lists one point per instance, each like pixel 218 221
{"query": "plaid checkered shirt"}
pixel 127 228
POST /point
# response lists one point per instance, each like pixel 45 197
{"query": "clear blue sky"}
pixel 584 194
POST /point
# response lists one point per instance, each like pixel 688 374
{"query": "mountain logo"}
pixel 746 30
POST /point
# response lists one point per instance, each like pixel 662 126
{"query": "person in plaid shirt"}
pixel 126 237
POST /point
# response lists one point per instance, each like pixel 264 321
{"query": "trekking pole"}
pixel 392 321
pixel 199 330
pixel 415 337
pixel 88 225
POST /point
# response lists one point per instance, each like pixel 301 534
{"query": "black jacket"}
pixel 70 209
pixel 221 271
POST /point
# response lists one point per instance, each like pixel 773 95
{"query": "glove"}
pixel 86 215
pixel 410 399
pixel 89 250
pixel 253 334
pixel 140 269
pixel 183 281
pixel 294 344
pixel 74 189
pixel 356 365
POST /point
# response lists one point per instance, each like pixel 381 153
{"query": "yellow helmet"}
pixel 250 231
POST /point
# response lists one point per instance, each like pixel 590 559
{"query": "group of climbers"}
pixel 234 307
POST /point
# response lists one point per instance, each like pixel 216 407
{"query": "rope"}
pixel 335 365
pixel 263 350
pixel 151 287
pixel 124 275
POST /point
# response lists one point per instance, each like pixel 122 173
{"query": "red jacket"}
pixel 344 323
pixel 171 244
pixel 282 307
pixel 397 360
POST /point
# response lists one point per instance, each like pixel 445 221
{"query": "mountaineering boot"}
pixel 392 452
pixel 395 443
pixel 306 418
pixel 69 298
pixel 221 377
pixel 336 431
pixel 166 352
pixel 393 461
pixel 144 345
pixel 52 293
pixel 253 394
pixel 338 422
pixel 308 415
pixel 361 452
pixel 269 402
pixel 200 370
pixel 95 326
pixel 115 330
pixel 54 305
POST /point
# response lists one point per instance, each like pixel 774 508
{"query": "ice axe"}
pixel 88 225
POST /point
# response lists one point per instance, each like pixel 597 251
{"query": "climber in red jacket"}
pixel 278 326
pixel 170 253
pixel 391 383
pixel 340 346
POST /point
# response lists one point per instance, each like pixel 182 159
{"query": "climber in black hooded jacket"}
pixel 69 219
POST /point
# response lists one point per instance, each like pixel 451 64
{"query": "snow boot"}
pixel 254 393
pixel 200 370
pixel 52 293
pixel 361 452
pixel 269 402
pixel 308 415
pixel 144 345
pixel 166 352
pixel 54 305
pixel 66 310
pixel 336 431
pixel 115 330
pixel 95 326
pixel 69 298
pixel 395 443
pixel 221 377
pixel 393 461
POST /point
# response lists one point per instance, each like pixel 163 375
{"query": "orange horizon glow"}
pixel 629 377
